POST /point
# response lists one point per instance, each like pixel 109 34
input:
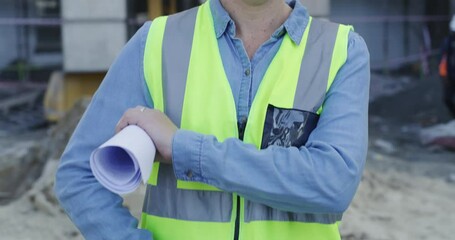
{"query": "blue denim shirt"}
pixel 320 177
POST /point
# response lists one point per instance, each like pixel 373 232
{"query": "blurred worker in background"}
pixel 259 113
pixel 447 68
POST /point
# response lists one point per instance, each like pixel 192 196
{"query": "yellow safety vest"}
pixel 186 79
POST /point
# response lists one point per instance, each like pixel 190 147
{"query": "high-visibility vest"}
pixel 186 79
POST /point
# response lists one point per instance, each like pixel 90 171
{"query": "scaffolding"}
pixel 35 33
pixel 27 23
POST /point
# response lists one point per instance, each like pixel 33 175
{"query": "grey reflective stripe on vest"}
pixel 165 200
pixel 174 45
pixel 260 212
pixel 315 68
pixel 309 96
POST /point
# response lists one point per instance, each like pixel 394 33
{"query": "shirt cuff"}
pixel 186 155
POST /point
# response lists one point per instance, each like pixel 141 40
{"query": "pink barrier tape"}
pixel 59 22
pixel 380 19
pixel 358 19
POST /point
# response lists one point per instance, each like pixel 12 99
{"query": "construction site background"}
pixel 408 188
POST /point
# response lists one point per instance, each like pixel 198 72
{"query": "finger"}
pixel 118 126
pixel 141 108
pixel 124 121
pixel 160 158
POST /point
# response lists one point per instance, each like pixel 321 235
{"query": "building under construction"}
pixel 32 38
pixel 54 52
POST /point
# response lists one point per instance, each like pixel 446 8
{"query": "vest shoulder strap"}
pixel 168 48
pixel 325 54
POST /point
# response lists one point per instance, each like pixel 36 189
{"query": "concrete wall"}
pixel 94 32
pixel 7 34
pixel 98 27
pixel 375 33
pixel 317 8
pixel 9 40
pixel 93 10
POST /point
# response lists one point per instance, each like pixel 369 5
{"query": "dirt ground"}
pixel 407 191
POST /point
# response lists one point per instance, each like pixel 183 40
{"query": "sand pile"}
pixel 36 215
pixel 33 211
pixel 397 206
pixel 29 177
pixel 407 191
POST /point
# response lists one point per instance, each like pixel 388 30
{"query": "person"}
pixel 447 69
pixel 258 112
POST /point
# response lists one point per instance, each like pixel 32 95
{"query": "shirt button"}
pixel 247 72
pixel 189 174
pixel 243 120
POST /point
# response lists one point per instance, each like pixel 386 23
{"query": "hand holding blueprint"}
pixel 124 160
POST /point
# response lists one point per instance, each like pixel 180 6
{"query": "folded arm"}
pixel 320 177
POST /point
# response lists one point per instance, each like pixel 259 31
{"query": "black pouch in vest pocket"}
pixel 287 127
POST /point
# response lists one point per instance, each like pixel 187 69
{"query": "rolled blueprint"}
pixel 121 163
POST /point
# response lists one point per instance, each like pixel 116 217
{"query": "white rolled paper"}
pixel 124 160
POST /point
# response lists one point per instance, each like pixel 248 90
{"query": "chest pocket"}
pixel 287 127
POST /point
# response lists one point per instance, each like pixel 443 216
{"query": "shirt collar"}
pixel 294 26
pixel 221 17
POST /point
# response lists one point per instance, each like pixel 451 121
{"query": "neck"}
pixel 256 20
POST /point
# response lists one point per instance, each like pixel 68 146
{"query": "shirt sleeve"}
pixel 97 212
pixel 320 177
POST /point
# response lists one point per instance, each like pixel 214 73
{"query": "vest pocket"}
pixel 287 127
